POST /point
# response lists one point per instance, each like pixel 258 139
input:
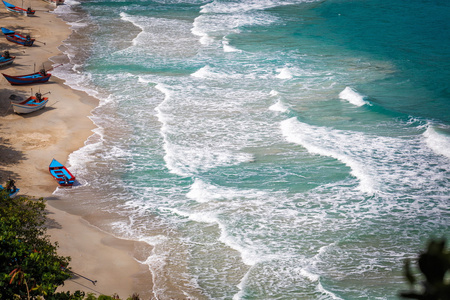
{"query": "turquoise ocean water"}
pixel 265 149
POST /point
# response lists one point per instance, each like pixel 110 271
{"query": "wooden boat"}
pixel 39 77
pixel 30 105
pixel 61 174
pixel 6 59
pixel 18 38
pixel 16 9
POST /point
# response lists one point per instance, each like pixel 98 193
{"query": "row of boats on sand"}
pixel 32 103
pixel 59 172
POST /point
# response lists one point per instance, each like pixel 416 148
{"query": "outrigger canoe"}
pixel 30 105
pixel 6 59
pixel 39 77
pixel 61 174
pixel 18 38
pixel 16 9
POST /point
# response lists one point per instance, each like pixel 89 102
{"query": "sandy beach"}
pixel 29 142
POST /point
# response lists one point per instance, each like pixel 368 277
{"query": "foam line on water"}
pixel 203 192
pixel 249 256
pixel 438 142
pixel 306 135
pixel 247 6
pixel 382 164
pixel 126 17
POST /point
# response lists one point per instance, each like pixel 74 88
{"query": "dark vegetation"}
pixel 30 267
pixel 434 266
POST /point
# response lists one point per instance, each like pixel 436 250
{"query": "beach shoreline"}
pixel 29 142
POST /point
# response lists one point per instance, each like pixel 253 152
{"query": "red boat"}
pixel 17 38
pixel 39 77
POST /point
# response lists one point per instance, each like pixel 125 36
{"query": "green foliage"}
pixel 434 264
pixel 29 264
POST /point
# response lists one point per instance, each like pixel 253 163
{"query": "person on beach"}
pixel 11 186
pixel 38 97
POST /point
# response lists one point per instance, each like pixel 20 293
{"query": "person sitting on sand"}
pixel 10 186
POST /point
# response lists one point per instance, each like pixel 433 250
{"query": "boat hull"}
pixel 20 39
pixel 15 9
pixel 61 174
pixel 6 61
pixel 28 79
pixel 28 106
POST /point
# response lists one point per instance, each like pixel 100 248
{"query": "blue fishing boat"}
pixel 17 38
pixel 20 10
pixel 39 77
pixel 6 59
pixel 61 174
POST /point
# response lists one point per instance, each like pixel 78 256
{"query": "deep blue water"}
pixel 265 149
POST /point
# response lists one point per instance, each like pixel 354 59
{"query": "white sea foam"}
pixel 311 277
pixel 77 25
pixel 438 142
pixel 234 7
pixel 215 23
pixel 185 158
pixel 228 48
pixel 66 8
pixel 381 164
pixel 203 72
pixel 210 73
pixel 352 96
pixel 204 192
pixel 278 106
pixel 310 137
pixel 199 30
pixel 135 21
pixel 284 73
pixel 328 294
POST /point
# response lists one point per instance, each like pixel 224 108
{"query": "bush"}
pixel 29 264
pixel 434 264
